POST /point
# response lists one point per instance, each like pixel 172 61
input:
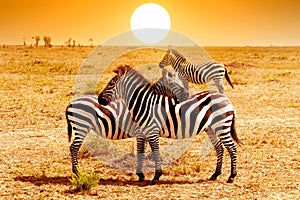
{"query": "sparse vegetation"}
pixel 37 84
pixel 37 40
pixel 84 181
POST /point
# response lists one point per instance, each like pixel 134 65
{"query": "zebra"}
pixel 159 115
pixel 200 74
pixel 111 122
pixel 170 86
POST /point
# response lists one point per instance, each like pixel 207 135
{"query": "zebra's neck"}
pixel 134 84
pixel 179 64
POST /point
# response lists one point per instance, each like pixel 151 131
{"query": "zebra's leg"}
pixel 154 144
pixel 74 148
pixel 219 150
pixel 141 144
pixel 231 148
pixel 227 141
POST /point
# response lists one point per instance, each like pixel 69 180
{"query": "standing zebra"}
pixel 199 74
pixel 111 122
pixel 206 111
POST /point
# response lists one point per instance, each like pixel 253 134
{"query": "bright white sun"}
pixel 150 23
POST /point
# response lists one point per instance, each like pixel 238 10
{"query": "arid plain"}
pixel 38 83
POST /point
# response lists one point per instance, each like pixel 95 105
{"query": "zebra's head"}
pixel 168 85
pixel 109 93
pixel 166 60
pixel 173 58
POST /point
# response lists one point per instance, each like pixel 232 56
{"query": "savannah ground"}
pixel 37 85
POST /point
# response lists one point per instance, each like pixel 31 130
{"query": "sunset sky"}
pixel 209 22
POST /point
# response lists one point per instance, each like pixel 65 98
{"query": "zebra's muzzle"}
pixel 161 66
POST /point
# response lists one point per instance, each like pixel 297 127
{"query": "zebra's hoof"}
pixel 214 176
pixel 231 177
pixel 156 177
pixel 75 171
pixel 141 177
pixel 230 180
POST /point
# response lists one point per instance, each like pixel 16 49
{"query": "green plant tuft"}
pixel 84 181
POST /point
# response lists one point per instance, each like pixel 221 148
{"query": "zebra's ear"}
pixel 123 69
pixel 121 72
pixel 116 71
pixel 168 51
pixel 127 67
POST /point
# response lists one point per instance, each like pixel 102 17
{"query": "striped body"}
pixel 111 122
pixel 155 114
pixel 193 116
pixel 199 74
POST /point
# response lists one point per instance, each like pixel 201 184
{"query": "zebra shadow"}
pixel 118 182
pixel 44 180
pixel 60 180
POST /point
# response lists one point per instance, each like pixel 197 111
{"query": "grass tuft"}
pixel 84 181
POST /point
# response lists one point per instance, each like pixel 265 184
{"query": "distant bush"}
pixel 47 41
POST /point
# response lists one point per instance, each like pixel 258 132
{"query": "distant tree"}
pixel 74 43
pixel 47 41
pixel 37 39
pixel 24 41
pixel 91 41
pixel 68 43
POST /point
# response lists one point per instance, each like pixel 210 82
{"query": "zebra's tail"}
pixel 69 128
pixel 228 78
pixel 233 132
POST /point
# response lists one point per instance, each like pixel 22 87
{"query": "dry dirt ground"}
pixel 37 85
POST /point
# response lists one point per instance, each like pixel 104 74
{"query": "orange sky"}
pixel 209 22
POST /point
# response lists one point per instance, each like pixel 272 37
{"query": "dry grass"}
pixel 37 84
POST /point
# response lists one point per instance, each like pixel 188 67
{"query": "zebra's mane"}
pixel 126 69
pixel 145 82
pixel 177 54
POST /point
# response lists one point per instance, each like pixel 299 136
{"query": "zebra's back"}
pixel 201 74
pixel 112 121
pixel 193 116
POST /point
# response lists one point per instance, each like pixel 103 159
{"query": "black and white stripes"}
pixel 85 114
pixel 112 121
pixel 154 114
pixel 198 74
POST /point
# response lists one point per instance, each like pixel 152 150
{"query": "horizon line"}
pixel 93 46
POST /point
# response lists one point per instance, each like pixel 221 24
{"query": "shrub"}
pixel 84 181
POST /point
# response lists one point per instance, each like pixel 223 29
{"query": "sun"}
pixel 150 23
